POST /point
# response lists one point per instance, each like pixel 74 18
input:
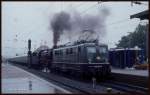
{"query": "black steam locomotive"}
pixel 85 58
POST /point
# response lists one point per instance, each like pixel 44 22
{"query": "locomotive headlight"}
pixel 98 58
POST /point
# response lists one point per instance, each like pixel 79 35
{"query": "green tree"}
pixel 136 38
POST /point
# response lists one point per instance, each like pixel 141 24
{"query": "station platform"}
pixel 16 80
pixel 130 71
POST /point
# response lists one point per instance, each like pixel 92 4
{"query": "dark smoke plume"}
pixel 74 26
pixel 60 22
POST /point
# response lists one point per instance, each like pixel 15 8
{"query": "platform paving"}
pixel 16 80
pixel 131 72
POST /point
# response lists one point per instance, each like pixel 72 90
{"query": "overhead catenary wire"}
pixel 136 2
pixel 80 4
pixel 120 21
pixel 119 27
pixel 89 8
pixel 110 24
pixel 113 23
pixel 81 13
pixel 84 12
pixel 26 48
pixel 124 20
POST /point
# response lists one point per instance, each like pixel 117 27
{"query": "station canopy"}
pixel 142 15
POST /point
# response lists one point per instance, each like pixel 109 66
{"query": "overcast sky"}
pixel 24 20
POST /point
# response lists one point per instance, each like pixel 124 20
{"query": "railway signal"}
pixel 29 53
pixel 29 44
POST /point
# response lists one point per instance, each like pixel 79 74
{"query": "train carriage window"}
pixel 61 52
pixel 66 51
pixel 56 52
pixel 79 49
pixel 74 50
pixel 71 50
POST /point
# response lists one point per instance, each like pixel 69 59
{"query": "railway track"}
pixel 74 86
pixel 77 85
pixel 141 81
pixel 125 87
pixel 121 86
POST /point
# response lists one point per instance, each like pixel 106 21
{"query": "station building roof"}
pixel 123 49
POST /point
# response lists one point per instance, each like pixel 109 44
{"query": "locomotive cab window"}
pixel 91 49
pixel 102 50
pixel 91 53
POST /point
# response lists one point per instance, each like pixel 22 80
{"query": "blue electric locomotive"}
pixel 86 59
